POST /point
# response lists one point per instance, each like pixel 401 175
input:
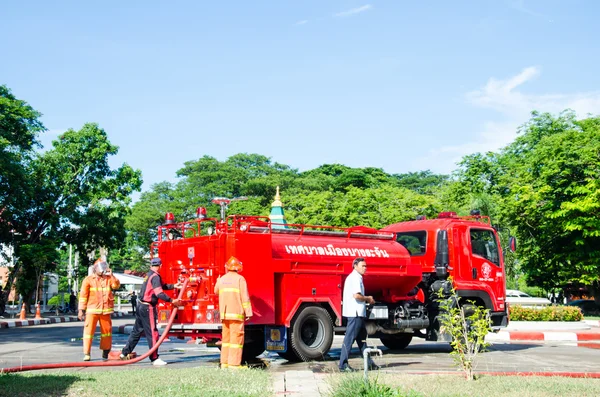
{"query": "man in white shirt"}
pixel 355 310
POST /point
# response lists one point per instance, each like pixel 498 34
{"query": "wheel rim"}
pixel 312 332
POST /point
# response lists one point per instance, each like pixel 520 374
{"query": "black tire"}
pixel 289 355
pixel 311 333
pixel 397 341
pixel 468 310
pixel 252 349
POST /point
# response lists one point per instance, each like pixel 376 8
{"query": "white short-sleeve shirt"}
pixel 352 307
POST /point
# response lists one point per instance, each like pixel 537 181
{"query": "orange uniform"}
pixel 234 306
pixel 97 300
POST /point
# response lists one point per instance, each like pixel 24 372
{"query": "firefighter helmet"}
pixel 234 264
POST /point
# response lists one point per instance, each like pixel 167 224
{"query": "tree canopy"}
pixel 67 194
pixel 545 189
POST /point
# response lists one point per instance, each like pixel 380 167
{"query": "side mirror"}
pixel 512 243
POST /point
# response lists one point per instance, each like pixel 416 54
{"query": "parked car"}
pixel 587 306
pixel 514 297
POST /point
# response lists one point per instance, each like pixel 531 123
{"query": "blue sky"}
pixel 401 85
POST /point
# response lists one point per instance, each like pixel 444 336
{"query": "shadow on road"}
pixel 62 335
pixel 37 385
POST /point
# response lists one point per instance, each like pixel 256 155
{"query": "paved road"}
pixel 55 343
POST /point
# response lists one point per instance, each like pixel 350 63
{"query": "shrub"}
pixel 55 300
pixel 467 324
pixel 549 313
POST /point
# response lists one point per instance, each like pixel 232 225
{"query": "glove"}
pixel 81 315
pixel 176 302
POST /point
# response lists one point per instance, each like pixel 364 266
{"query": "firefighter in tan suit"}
pixel 235 307
pixel 96 304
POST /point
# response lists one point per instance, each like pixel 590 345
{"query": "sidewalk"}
pixel 46 319
pixel 299 384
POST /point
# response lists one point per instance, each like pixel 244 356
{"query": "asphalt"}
pixel 308 383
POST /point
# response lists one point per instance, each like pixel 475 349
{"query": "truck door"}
pixel 486 266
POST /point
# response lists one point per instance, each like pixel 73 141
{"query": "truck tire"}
pixel 396 342
pixel 289 355
pixel 252 349
pixel 311 333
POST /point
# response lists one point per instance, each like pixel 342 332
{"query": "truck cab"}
pixel 465 250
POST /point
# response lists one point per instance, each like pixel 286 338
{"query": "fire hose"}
pixel 112 363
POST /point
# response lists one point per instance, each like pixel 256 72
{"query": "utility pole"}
pixel 70 267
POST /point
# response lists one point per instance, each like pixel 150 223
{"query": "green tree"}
pixel 248 175
pixel 19 129
pixel 423 182
pixel 374 207
pixel 544 188
pixel 74 196
pixel 551 197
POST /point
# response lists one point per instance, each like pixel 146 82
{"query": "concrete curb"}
pixel 570 326
pixel 123 329
pixel 11 323
pixel 592 323
pixel 544 336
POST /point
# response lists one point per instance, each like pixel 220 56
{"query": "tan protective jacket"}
pixel 234 299
pixel 96 295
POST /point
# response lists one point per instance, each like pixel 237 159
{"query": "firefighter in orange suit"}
pixel 234 306
pixel 96 303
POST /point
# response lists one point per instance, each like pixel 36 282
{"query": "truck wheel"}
pixel 253 349
pixel 289 355
pixel 311 334
pixel 254 343
pixel 396 342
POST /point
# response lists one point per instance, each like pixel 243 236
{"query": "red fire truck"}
pixel 296 273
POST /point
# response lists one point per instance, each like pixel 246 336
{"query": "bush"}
pixel 55 300
pixel 549 313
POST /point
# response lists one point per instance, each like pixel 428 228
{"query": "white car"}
pixel 514 297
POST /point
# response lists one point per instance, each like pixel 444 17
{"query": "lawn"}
pixel 147 383
pixel 405 385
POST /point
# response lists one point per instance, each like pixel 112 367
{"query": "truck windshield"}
pixel 483 243
pixel 414 242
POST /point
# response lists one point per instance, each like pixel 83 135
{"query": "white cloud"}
pixel 520 6
pixel 302 22
pixel 514 107
pixel 353 11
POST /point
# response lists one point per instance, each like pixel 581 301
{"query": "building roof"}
pixel 129 279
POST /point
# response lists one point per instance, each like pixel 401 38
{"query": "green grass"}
pixel 404 385
pixel 146 383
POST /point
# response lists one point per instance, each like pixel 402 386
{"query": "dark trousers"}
pixel 145 320
pixel 133 305
pixel 355 331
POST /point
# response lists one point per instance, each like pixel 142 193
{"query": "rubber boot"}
pixel 105 354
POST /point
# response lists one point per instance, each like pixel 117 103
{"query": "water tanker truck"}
pixel 296 273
